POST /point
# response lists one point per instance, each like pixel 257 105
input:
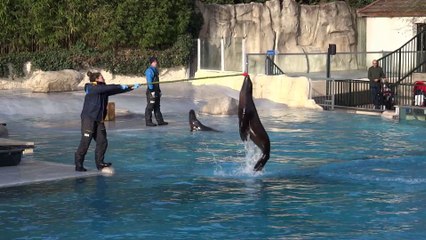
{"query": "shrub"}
pixel 80 57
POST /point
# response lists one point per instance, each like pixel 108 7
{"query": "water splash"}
pixel 244 167
pixel 253 154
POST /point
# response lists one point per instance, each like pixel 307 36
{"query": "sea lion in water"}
pixel 250 125
pixel 196 125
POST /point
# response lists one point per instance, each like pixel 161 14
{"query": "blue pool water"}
pixel 331 176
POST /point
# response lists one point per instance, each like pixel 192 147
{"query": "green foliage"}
pixel 136 61
pixel 360 3
pixel 232 1
pixel 116 34
pixel 36 25
pixel 124 61
pixel 80 33
pixel 15 63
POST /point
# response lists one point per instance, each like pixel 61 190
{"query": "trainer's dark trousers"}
pixel 375 96
pixel 96 130
pixel 153 104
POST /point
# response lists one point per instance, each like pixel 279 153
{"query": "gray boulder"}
pixel 54 81
pixel 221 106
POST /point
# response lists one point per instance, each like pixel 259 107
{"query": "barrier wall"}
pixel 292 91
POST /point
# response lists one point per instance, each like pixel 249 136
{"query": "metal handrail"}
pixel 400 64
pixel 411 72
pixel 405 44
pixel 271 68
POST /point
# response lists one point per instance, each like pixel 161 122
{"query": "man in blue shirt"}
pixel 153 94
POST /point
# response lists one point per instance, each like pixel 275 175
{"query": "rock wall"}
pixel 71 80
pixel 44 82
pixel 282 25
pixel 54 81
pixel 222 105
pixel 166 74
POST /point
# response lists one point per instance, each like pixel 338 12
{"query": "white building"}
pixel 391 23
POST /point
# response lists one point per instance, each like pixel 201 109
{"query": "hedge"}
pixel 124 61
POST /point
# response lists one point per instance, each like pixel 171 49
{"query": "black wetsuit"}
pixel 92 121
pixel 153 102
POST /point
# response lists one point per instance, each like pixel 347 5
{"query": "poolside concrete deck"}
pixel 350 74
pixel 13 143
pixel 31 171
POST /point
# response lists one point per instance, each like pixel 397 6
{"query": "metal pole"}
pixel 332 95
pixel 247 63
pixel 399 65
pixel 243 55
pixel 328 64
pixel 222 54
pixel 198 54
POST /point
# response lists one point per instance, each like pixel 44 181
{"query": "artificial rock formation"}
pixel 71 80
pixel 166 74
pixel 221 106
pixel 44 82
pixel 54 81
pixel 281 25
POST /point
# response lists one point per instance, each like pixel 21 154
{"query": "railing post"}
pixel 198 54
pixel 243 55
pixel 383 64
pixel 331 51
pixel 328 64
pixel 399 64
pixel 332 94
pixel 222 54
pixel 267 65
pixel 247 63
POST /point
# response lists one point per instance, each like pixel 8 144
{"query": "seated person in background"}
pixel 375 75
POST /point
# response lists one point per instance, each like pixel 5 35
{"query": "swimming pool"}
pixel 331 176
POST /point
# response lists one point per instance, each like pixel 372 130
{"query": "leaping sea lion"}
pixel 250 125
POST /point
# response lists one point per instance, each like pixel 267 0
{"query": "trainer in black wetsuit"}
pixel 92 118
